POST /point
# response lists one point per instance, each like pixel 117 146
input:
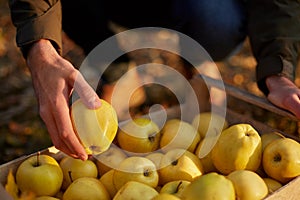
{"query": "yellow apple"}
pixel 138 169
pixel 110 159
pixel 86 188
pixel 107 180
pixel 179 164
pixel 281 159
pixel 155 157
pixel 46 198
pixel 165 196
pixel 96 128
pixel 140 135
pixel 179 134
pixel 205 121
pixel 75 168
pixel 267 138
pixel 272 184
pixel 175 187
pixel 207 163
pixel 40 174
pixel 238 147
pixel 210 186
pixel 134 190
pixel 248 185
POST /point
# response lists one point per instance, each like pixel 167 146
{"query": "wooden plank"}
pixel 248 97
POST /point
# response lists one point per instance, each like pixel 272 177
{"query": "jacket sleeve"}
pixel 274 32
pixel 34 20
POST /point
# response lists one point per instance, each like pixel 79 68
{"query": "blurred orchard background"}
pixel 23 132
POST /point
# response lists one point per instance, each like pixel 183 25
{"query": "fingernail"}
pixel 94 103
pixel 82 157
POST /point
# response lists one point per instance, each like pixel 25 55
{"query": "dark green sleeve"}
pixel 274 32
pixel 36 19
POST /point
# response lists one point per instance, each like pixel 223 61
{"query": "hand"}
pixel 284 94
pixel 53 80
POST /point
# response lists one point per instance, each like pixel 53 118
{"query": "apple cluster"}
pixel 179 161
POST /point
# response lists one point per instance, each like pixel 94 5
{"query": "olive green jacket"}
pixel 273 29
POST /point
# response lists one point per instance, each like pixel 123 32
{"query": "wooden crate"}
pixel 288 191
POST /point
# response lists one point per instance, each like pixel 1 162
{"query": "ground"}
pixel 21 129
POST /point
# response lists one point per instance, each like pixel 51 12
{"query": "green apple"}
pixel 75 168
pixel 135 168
pixel 46 198
pixel 40 174
pixel 238 147
pixel 109 159
pixel 205 121
pixel 207 163
pixel 134 190
pixel 281 159
pixel 269 137
pixel 179 164
pixel 155 157
pixel 165 196
pixel 108 182
pixel 210 186
pixel 175 187
pixel 140 135
pixel 179 134
pixel 86 188
pixel 248 185
pixel 272 184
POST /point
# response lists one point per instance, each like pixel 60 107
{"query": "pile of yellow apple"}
pixel 178 161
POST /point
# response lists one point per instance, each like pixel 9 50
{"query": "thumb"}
pixel 86 93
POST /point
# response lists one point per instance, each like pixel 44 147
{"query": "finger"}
pixel 54 133
pixel 66 131
pixel 293 104
pixel 86 92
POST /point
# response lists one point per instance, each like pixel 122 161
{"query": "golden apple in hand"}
pixel 238 147
pixel 210 186
pixel 179 134
pixel 140 135
pixel 40 174
pixel 179 164
pixel 175 187
pixel 248 185
pixel 205 121
pixel 95 128
pixel 138 169
pixel 107 180
pixel 165 196
pixel 134 190
pixel 110 159
pixel 86 188
pixel 75 168
pixel 281 159
pixel 272 184
pixel 269 137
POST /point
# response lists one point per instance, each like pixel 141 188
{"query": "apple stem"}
pixel 70 176
pixel 177 188
pixel 38 158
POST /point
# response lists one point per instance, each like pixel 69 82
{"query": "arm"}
pixel 274 32
pixel 53 77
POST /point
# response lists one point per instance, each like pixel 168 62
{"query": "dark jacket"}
pixel 273 29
